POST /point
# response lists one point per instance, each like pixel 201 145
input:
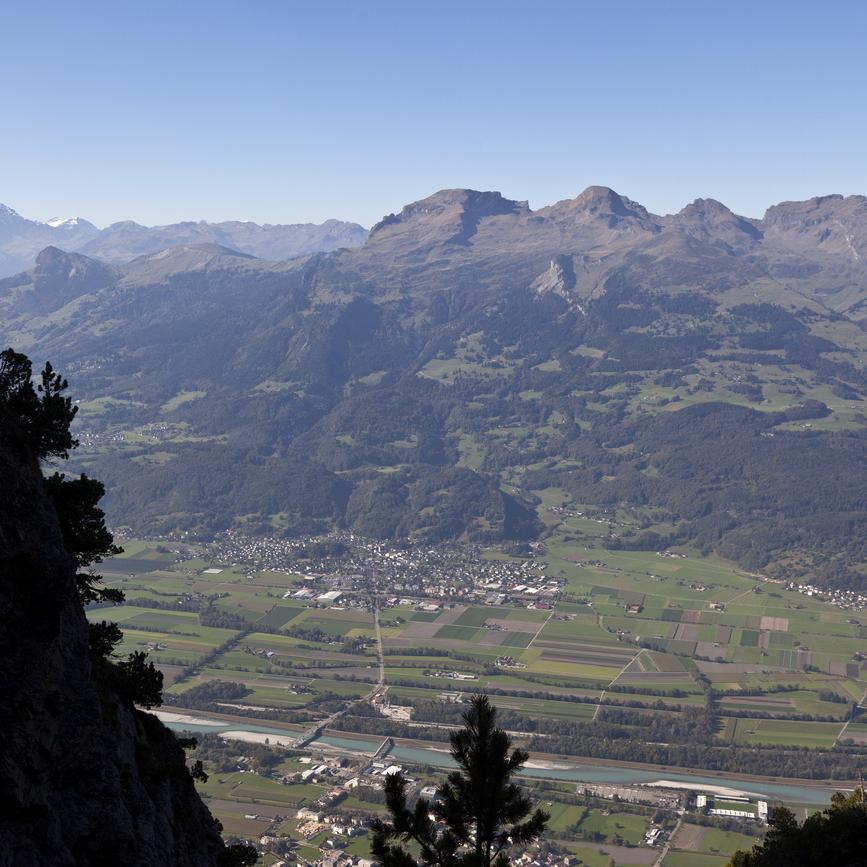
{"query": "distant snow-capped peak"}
pixel 67 222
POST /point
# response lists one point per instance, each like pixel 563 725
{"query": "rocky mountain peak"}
pixel 602 206
pixel 71 223
pixel 54 265
pixel 184 258
pixel 703 209
pixel 833 225
pixel 453 202
pixel 446 216
pixel 604 200
pixel 559 279
pixel 57 278
pixel 9 217
pixel 7 211
pixel 713 221
pixel 51 256
pixel 483 203
pixel 202 251
pixel 819 209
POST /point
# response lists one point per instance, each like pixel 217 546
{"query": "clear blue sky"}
pixel 296 111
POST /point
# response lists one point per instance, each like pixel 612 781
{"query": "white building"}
pixel 330 596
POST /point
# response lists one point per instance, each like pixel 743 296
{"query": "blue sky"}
pixel 297 111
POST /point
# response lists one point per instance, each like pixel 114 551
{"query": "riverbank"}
pixel 580 769
pixel 577 769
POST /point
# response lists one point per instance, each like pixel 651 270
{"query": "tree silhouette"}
pixel 833 837
pixel 479 813
pixel 44 413
pixel 237 855
pixel 141 682
pixel 103 637
pixel 85 535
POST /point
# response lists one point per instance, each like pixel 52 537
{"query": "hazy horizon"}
pixel 72 213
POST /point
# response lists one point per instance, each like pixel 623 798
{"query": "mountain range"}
pixel 21 239
pixel 693 379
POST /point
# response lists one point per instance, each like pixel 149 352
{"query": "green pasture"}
pixel 628 826
pixel 787 733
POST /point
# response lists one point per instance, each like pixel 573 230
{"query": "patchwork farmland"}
pixel 628 628
pixel 640 659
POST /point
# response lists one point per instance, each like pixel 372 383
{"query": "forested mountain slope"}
pixel 702 372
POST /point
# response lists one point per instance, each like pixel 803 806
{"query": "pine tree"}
pixel 479 812
pixel 44 413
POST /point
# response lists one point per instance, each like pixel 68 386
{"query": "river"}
pixel 620 775
pixel 789 792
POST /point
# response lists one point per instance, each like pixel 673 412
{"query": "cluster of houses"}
pixel 533 859
pixel 672 554
pixel 313 821
pixel 451 674
pixel 850 600
pixel 333 856
pixel 509 662
pixel 329 828
pixel 439 571
pixel 94 439
pixel 258 651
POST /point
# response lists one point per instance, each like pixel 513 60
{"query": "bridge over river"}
pixel 319 727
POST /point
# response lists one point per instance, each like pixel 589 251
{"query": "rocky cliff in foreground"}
pixel 85 778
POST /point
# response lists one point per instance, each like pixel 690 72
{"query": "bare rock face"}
pixel 559 279
pixel 84 778
pixel 827 225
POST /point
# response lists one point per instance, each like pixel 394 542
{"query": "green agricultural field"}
pixel 717 841
pixel 563 816
pixel 459 633
pixel 583 626
pixel 171 637
pixel 279 616
pixel 785 733
pixel 547 708
pixel 516 639
pixel 685 610
pixel 476 616
pixel 626 826
pixel 253 789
